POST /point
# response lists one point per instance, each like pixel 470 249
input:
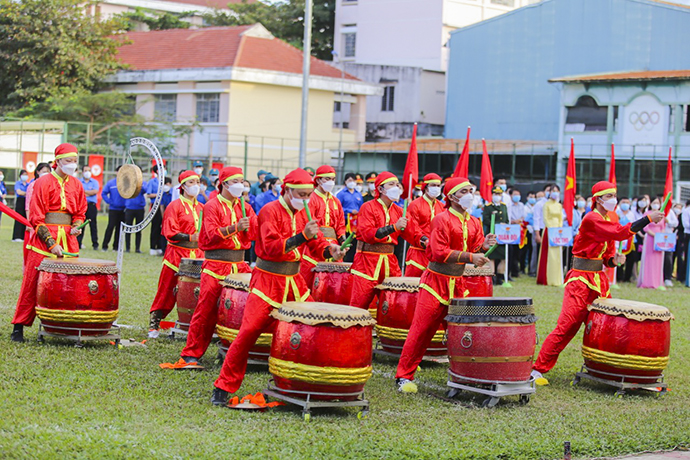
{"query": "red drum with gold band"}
pixel 77 296
pixel 231 305
pixel 187 291
pixel 627 340
pixel 479 280
pixel 491 340
pixel 398 300
pixel 321 348
pixel 332 282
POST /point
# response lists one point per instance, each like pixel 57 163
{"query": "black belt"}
pixel 58 218
pixel 278 268
pixel 588 265
pixel 447 269
pixel 225 255
pixel 186 244
pixel 328 232
pixel 380 248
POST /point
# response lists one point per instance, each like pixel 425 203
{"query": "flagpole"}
pixel 409 198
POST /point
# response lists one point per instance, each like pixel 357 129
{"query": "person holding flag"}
pixel 593 249
pixel 420 213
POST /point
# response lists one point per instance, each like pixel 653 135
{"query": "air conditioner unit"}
pixel 682 192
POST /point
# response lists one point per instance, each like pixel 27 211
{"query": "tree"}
pixel 154 20
pixel 51 48
pixel 285 20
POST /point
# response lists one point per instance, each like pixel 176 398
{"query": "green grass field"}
pixel 101 402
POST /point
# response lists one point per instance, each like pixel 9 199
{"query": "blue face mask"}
pixel 625 206
pixel 532 200
pixel 504 187
pixel 516 198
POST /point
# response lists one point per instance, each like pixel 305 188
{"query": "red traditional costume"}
pixel 180 222
pixel 328 212
pixel 56 206
pixel 593 249
pixel 375 259
pixel 224 249
pixel 275 278
pixel 454 236
pixel 420 214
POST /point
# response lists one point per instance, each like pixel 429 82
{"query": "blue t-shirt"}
pixel 91 184
pixel 351 201
pixel 3 188
pixel 201 198
pixel 152 187
pixel 138 202
pixel 21 186
pixel 166 198
pixel 263 199
pixel 111 196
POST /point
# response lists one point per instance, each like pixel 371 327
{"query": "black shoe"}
pixel 191 359
pixel 138 251
pixel 17 333
pixel 95 247
pixel 219 397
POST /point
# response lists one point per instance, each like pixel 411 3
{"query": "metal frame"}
pixel 307 404
pixel 113 334
pixel 177 330
pixel 495 391
pixel 428 358
pixel 222 351
pixel 656 384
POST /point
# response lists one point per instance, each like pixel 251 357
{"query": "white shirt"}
pixel 625 217
pixel 516 212
pixel 671 222
pixel 685 216
pixel 538 214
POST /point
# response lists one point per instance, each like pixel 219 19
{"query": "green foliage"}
pixel 51 48
pixel 285 20
pixel 155 20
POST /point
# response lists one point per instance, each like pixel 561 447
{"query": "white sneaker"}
pixel 154 333
pixel 153 252
pixel 406 386
pixel 17 240
pixel 539 379
pixel 159 252
pixel 668 283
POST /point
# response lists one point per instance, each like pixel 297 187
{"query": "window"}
pixel 510 3
pixel 388 100
pixel 337 106
pixel 686 118
pixel 208 107
pixel 165 107
pixel 586 115
pixel 349 42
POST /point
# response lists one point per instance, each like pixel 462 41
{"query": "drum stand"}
pixel 494 390
pixel 378 350
pixel 75 334
pixel 303 399
pixel 222 351
pixel 176 329
pixel 655 384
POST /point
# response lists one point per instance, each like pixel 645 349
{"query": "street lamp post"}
pixel 306 64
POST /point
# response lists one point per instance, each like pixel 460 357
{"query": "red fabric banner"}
pixel 570 185
pixel 668 187
pixel 463 167
pixel 96 163
pixel 411 173
pixel 612 170
pixel 487 179
pixel 29 162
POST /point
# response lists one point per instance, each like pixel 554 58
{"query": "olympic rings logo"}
pixel 644 120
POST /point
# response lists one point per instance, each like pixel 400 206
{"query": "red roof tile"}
pixel 640 75
pixel 214 47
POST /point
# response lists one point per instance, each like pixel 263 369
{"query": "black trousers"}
pixel 684 243
pixel 115 217
pixel 514 252
pixel 630 261
pixel 156 228
pixel 91 213
pixel 130 216
pixel 20 207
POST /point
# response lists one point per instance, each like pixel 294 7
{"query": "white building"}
pixel 108 8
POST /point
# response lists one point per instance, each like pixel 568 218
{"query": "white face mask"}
pixel 581 204
pixel 236 189
pixel 39 175
pixel 297 203
pixel 198 170
pixel 278 188
pixel 434 191
pixel 24 177
pixel 358 188
pixel 394 193
pixel 372 187
pixel 350 185
pixel 328 186
pixel 496 199
pixel 656 206
pixel 555 195
pixel 677 211
pixel 246 189
pixel 166 188
pixel 610 204
pixel 69 168
pixel 193 190
pixel 203 188
pixel 642 204
pixel 87 175
pixel 466 201
pixel 2 178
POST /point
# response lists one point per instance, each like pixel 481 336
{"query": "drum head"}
pixel 491 306
pixel 129 181
pixel 638 311
pixel 239 281
pixel 400 283
pixel 190 268
pixel 78 266
pixel 314 313
pixel 332 267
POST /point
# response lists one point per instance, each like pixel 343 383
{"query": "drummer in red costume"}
pixel 57 207
pixel 456 238
pixel 328 212
pixel 181 229
pixel 282 229
pixel 420 214
pixel 593 249
pixel 225 236
pixel 379 224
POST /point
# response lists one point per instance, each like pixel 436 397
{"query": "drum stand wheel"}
pixel 77 336
pixel 654 384
pixel 494 390
pixel 303 399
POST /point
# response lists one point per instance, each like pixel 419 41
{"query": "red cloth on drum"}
pixel 221 212
pixel 420 213
pixel 51 194
pixel 370 268
pixel 594 241
pixel 205 316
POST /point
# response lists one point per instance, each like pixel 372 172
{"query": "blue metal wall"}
pixel 498 70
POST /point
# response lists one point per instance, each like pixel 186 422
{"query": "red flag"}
pixel 463 167
pixel 668 188
pixel 487 179
pixel 612 171
pixel 411 174
pixel 14 214
pixel 570 185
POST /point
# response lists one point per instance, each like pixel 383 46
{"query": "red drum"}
pixel 479 281
pixel 233 298
pixel 627 340
pixel 321 348
pixel 398 301
pixel 77 296
pixel 189 278
pixel 332 282
pixel 491 340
